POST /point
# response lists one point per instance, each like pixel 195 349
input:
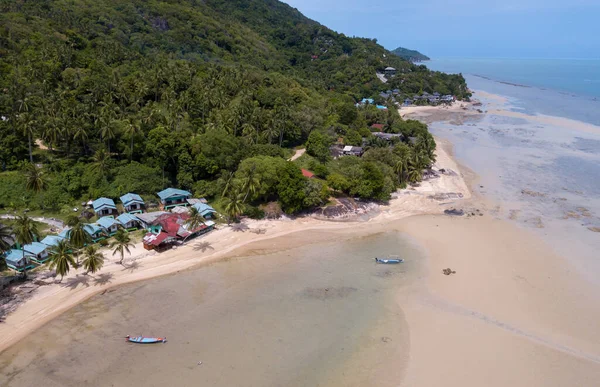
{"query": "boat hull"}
pixel 146 340
pixel 389 261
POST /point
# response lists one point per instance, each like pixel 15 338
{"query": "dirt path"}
pixel 299 152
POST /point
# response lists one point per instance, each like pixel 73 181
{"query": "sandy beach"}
pixel 513 313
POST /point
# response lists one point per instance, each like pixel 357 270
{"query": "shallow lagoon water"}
pixel 319 315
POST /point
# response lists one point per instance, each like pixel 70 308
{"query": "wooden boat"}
pixel 389 260
pixel 146 340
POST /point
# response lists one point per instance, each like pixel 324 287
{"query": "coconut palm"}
pixel 35 180
pixel 26 232
pixel 234 205
pixel 100 161
pixel 131 129
pixel 93 259
pixel 400 169
pixel 121 243
pixel 250 184
pixel 6 240
pixel 78 237
pixel 61 258
pixel 195 220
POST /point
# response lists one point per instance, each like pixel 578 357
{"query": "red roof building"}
pixel 308 174
pixel 377 126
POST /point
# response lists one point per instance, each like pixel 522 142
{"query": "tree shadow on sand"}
pixel 133 266
pixel 73 282
pixel 240 227
pixel 203 246
pixel 103 279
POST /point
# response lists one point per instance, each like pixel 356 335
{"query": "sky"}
pixel 468 28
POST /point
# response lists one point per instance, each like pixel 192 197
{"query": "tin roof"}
pixel 35 248
pixel 100 203
pixel 14 256
pixel 92 228
pixel 204 208
pixel 126 218
pixel 107 222
pixel 170 192
pixel 52 240
pixel 130 198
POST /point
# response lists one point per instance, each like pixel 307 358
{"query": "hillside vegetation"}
pixel 111 96
pixel 410 55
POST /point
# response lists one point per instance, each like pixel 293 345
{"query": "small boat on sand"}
pixel 146 340
pixel 390 260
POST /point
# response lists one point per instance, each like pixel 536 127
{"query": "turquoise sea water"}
pixel 560 87
pixel 543 173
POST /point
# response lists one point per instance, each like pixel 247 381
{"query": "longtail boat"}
pixel 146 340
pixel 389 260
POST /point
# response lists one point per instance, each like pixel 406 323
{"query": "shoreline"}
pixel 50 301
pixel 513 306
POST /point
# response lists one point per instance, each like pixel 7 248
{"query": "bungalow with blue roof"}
pixel 109 225
pixel 128 221
pixel 95 231
pixel 369 101
pixel 18 260
pixel 104 207
pixel 37 251
pixel 173 197
pixel 381 107
pixel 205 210
pixel 52 240
pixel 132 203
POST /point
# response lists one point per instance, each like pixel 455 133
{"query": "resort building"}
pixel 128 221
pixel 17 260
pixel 308 174
pixel 387 136
pixel 52 240
pixel 109 225
pixel 349 150
pixel 95 231
pixel 132 203
pixel 205 210
pixel 37 251
pixel 389 72
pixel 172 197
pixel 166 228
pixel 104 207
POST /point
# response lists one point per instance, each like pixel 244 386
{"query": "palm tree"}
pixel 61 258
pixel 234 205
pixel 400 169
pixel 28 124
pixel 131 129
pixel 121 243
pixel 250 184
pixel 78 237
pixel 100 161
pixel 195 220
pixel 6 241
pixel 93 259
pixel 35 180
pixel 26 232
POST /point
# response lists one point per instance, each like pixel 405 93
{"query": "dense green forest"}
pixel 410 55
pixel 104 97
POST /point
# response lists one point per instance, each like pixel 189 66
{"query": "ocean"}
pixel 322 314
pixel 560 87
pixel 537 148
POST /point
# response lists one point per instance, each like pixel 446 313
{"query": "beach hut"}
pixel 205 210
pixel 307 174
pixel 109 225
pixel 17 260
pixel 37 251
pixel 104 207
pixel 172 197
pixel 52 240
pixel 128 221
pixel 95 231
pixel 132 203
